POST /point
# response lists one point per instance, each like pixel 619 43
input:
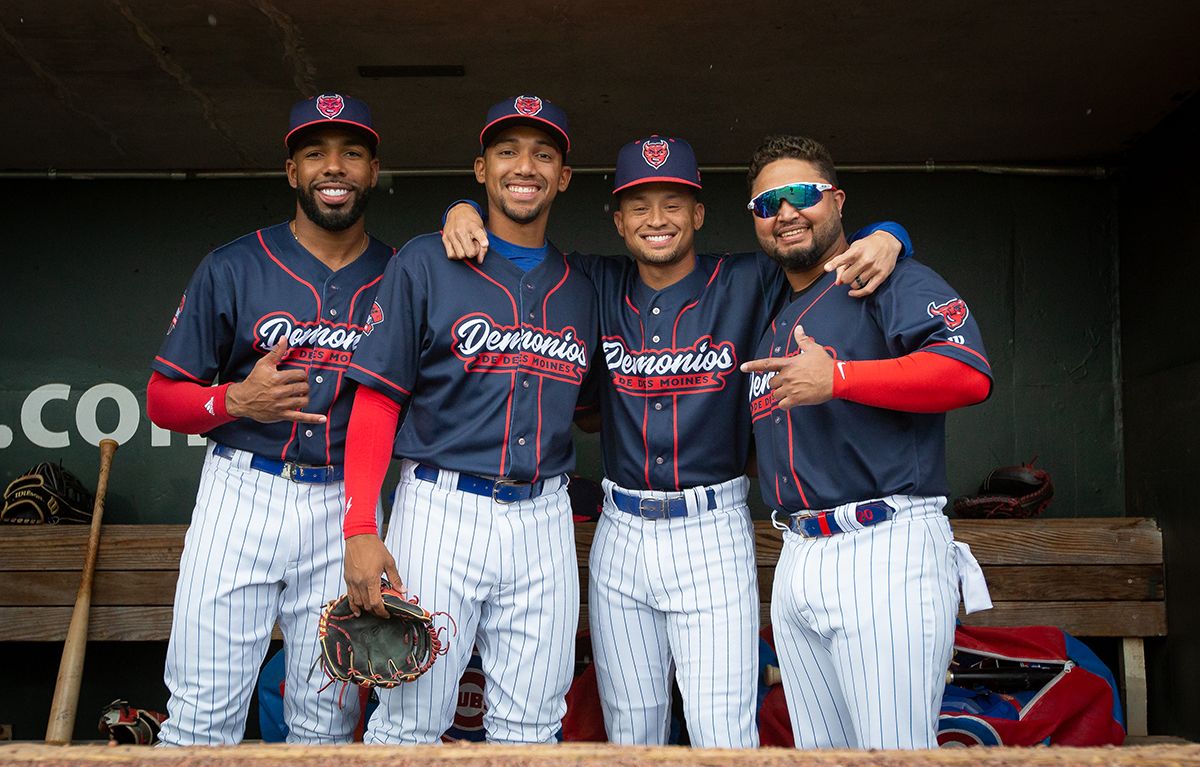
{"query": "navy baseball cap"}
pixel 657 158
pixel 330 108
pixel 526 110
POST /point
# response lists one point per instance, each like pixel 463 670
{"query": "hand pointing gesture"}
pixel 805 378
pixel 269 394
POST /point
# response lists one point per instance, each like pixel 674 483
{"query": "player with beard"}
pixel 672 577
pixel 848 401
pixel 255 359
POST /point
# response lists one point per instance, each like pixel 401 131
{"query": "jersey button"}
pixel 531 315
pixel 333 312
pixel 778 349
pixel 785 480
pixel 655 339
pixel 308 432
pixel 525 383
pixel 658 406
pixel 656 310
pixel 778 419
pixel 320 379
pixel 521 441
pixel 659 460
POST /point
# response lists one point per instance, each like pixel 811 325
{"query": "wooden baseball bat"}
pixel 70 668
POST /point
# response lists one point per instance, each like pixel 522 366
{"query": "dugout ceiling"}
pixel 151 84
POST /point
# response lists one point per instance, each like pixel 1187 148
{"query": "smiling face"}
pixel 799 239
pixel 522 170
pixel 333 173
pixel 658 222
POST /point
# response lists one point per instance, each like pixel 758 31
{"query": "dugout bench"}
pixel 1090 577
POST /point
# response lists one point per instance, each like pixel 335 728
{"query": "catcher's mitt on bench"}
pixel 1010 492
pixel 378 652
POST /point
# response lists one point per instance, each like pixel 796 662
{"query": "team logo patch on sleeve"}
pixel 374 319
pixel 954 312
pixel 330 105
pixel 178 311
pixel 528 105
pixel 655 153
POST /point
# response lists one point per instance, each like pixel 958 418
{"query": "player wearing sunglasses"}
pixel 848 402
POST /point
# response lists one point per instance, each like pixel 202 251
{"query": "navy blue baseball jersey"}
pixel 820 456
pixel 248 295
pixel 486 360
pixel 673 410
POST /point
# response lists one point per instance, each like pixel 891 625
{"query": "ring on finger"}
pixel 859 282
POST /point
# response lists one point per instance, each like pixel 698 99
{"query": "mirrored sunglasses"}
pixel 799 196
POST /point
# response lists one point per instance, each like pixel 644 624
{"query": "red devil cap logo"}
pixel 528 105
pixel 330 106
pixel 954 312
pixel 655 153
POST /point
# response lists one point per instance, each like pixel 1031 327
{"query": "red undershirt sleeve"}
pixel 369 437
pixel 185 406
pixel 921 382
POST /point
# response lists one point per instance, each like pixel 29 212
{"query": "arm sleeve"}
pixel 892 228
pixel 446 213
pixel 920 382
pixel 185 406
pixel 369 437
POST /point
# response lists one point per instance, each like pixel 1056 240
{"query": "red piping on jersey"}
pixel 957 346
pixel 537 469
pixel 359 292
pixel 317 298
pixel 675 344
pixel 290 273
pixel 631 306
pixel 791 443
pixel 380 378
pixel 173 366
pixel 645 402
pixel 508 411
pixel 675 434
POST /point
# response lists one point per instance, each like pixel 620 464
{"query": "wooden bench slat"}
pixel 49 624
pixel 105 624
pixel 1085 619
pixel 1102 541
pixel 58 587
pixel 1050 583
pixel 122 547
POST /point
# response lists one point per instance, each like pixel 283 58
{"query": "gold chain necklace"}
pixel 292 226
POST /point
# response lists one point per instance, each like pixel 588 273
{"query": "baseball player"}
pixel 848 401
pixel 486 362
pixel 272 319
pixel 673 584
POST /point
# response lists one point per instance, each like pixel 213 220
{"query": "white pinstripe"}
pixel 259 549
pixel 864 628
pixel 507 573
pixel 682 593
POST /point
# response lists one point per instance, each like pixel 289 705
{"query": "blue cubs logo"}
pixel 374 319
pixel 655 153
pixel 954 312
pixel 527 105
pixel 331 105
pixel 962 731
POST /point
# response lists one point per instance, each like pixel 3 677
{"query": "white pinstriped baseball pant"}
pixel 677 596
pixel 259 549
pixel 508 575
pixel 864 629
